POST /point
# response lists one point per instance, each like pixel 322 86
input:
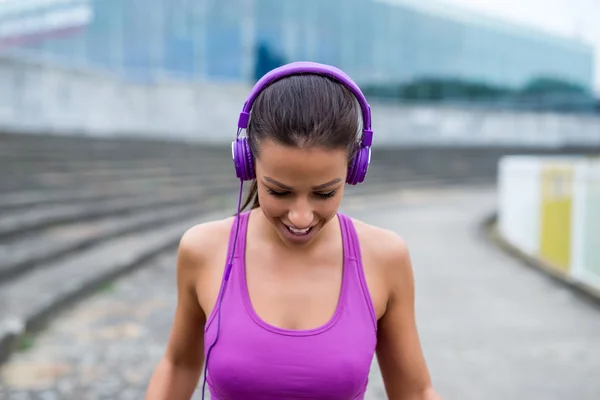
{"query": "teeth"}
pixel 299 231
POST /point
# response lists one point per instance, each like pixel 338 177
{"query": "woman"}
pixel 291 299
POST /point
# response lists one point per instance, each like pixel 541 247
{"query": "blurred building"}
pixel 374 41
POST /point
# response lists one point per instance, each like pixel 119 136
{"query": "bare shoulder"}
pixel 386 261
pixel 387 247
pixel 399 354
pixel 197 287
pixel 200 241
pixel 201 261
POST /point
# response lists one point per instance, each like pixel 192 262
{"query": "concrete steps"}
pixel 28 301
pixel 117 189
pixel 22 221
pixel 23 254
pixel 77 212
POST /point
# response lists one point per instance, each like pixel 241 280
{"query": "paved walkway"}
pixel 491 328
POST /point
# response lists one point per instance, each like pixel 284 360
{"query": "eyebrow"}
pixel 318 187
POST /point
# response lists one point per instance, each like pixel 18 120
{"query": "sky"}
pixel 570 18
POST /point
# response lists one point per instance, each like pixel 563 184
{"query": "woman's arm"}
pixel 399 352
pixel 178 372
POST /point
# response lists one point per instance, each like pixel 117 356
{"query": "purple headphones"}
pixel 358 166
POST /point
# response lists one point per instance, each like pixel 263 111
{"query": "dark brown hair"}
pixel 303 110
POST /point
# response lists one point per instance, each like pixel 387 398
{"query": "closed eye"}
pixel 327 195
pixel 277 194
pixel 322 196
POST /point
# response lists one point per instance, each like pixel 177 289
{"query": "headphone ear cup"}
pixel 358 168
pixel 250 170
pixel 243 160
pixel 351 169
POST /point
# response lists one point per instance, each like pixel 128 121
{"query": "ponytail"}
pixel 252 197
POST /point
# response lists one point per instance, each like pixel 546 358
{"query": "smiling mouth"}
pixel 299 232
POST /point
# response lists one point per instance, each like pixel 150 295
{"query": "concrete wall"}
pixel 37 97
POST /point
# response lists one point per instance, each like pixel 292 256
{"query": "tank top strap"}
pixel 353 257
pixel 239 254
pixel 350 239
pixel 237 238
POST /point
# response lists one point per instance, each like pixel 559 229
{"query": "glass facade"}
pixel 373 41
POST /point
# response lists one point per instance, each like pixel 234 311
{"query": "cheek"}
pixel 328 208
pixel 271 206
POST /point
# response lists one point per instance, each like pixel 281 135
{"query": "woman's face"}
pixel 300 189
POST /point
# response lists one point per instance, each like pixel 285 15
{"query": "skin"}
pixel 310 277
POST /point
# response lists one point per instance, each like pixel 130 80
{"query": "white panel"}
pixel 585 249
pixel 519 201
pixel 580 182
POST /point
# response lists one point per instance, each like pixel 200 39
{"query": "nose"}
pixel 301 215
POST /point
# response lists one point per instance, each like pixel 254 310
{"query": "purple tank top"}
pixel 253 360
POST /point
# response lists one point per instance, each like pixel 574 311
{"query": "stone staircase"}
pixel 77 212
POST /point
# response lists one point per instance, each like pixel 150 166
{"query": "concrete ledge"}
pixel 26 221
pixel 45 97
pixel 26 261
pixel 489 231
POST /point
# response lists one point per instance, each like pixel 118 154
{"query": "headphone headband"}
pixel 242 154
pixel 307 67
